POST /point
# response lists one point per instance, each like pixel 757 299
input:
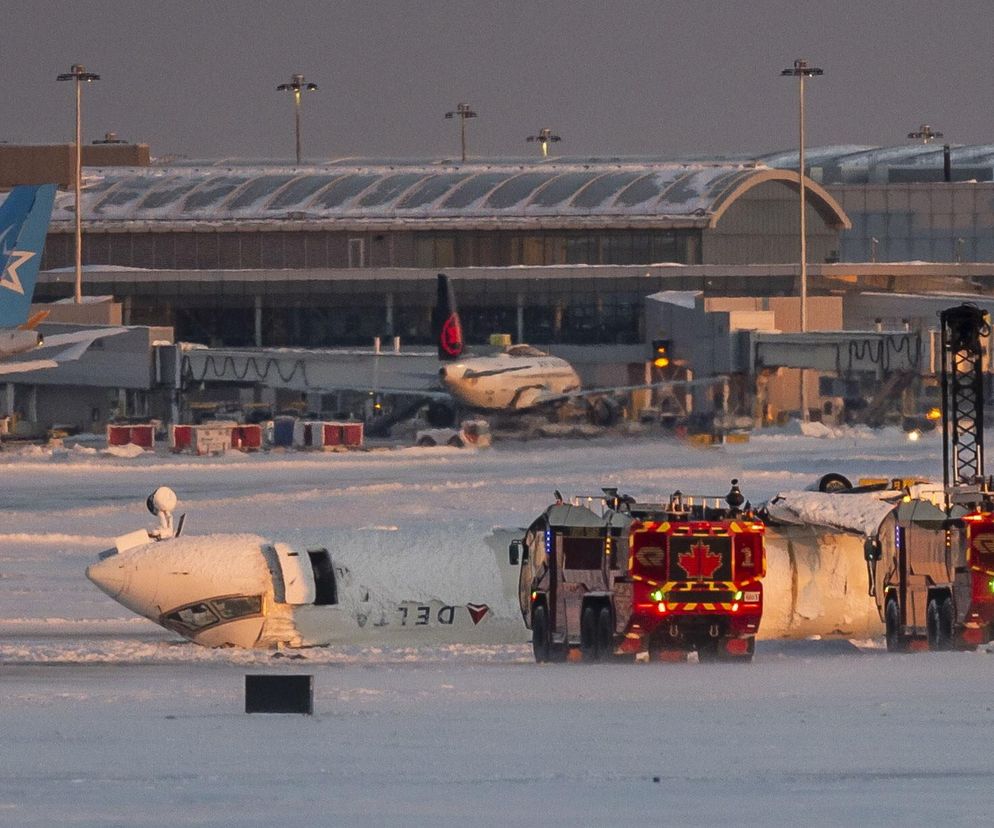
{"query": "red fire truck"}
pixel 680 576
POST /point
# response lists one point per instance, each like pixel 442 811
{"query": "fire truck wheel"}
pixel 939 623
pixel 588 634
pixel 896 643
pixel 605 634
pixel 455 442
pixel 946 623
pixel 541 642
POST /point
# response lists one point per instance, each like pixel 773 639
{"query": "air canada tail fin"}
pixel 24 218
pixel 446 327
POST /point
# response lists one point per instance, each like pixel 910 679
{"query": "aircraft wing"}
pixel 427 393
pixel 13 367
pixel 542 398
pixel 77 341
pixel 88 336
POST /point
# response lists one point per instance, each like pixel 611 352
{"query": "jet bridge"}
pixel 841 352
pixel 305 370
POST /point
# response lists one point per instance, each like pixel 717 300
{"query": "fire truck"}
pixel 673 577
pixel 937 546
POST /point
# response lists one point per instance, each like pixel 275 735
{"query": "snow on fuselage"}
pixel 243 591
pixel 517 379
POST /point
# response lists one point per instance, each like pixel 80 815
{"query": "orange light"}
pixel 661 607
pixel 735 607
pixel 933 414
pixel 661 362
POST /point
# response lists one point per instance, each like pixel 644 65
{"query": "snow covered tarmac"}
pixel 108 720
pixel 798 738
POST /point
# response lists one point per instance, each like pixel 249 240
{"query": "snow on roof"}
pixel 394 189
pixel 858 164
pixel 565 514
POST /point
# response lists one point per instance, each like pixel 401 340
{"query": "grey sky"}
pixel 623 77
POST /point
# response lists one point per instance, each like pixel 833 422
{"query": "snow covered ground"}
pixel 105 719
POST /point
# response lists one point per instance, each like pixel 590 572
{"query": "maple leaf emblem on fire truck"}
pixel 700 562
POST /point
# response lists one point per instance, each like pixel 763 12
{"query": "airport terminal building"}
pixel 558 250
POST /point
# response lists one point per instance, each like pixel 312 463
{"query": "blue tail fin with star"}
pixel 24 217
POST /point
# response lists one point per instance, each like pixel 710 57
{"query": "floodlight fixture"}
pixel 544 137
pixel 925 134
pixel 462 112
pixel 297 85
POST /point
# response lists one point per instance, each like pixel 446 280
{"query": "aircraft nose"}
pixel 107 574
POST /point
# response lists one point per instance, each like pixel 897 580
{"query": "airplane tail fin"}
pixel 446 327
pixel 24 218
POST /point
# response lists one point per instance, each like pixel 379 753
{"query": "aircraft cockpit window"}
pixel 193 617
pixel 203 614
pixel 524 351
pixel 238 606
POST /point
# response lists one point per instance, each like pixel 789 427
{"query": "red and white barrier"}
pixel 215 437
pixel 141 434
pixel 322 434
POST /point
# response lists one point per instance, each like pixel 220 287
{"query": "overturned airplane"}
pixel 243 590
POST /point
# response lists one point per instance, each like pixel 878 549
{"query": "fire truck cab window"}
pixel 535 542
pixel 582 553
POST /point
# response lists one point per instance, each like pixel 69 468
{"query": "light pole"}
pixel 79 75
pixel 925 134
pixel 462 112
pixel 544 137
pixel 801 70
pixel 297 85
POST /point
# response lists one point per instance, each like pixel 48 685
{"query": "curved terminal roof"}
pixel 355 191
pixel 852 164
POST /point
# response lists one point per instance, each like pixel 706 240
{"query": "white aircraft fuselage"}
pixel 244 591
pixel 520 378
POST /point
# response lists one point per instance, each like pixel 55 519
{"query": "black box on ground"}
pixel 279 694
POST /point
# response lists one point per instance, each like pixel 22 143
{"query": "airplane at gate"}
pixel 520 378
